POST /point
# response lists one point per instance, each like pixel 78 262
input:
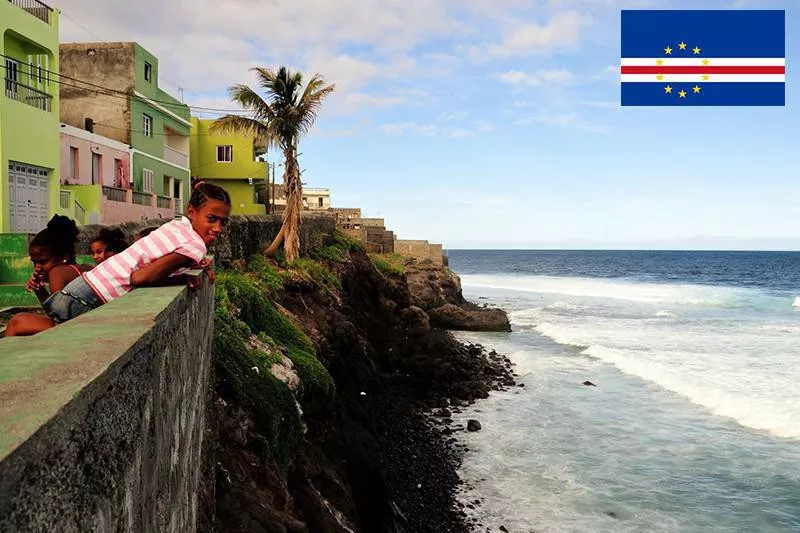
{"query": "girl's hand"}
pixel 36 282
pixel 193 281
pixel 205 264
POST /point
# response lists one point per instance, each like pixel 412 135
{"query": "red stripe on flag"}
pixel 702 69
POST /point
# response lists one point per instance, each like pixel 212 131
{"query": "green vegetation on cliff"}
pixel 390 265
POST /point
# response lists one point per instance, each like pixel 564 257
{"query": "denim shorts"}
pixel 71 301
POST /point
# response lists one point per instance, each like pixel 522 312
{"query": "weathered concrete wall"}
pixel 419 249
pixel 101 431
pixel 245 235
pixel 110 65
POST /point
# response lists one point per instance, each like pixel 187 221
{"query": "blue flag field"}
pixel 703 58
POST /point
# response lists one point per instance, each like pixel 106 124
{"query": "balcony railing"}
pixel 65 199
pixel 176 157
pixel 28 95
pixel 163 201
pixel 114 194
pixel 80 213
pixel 35 8
pixel 142 198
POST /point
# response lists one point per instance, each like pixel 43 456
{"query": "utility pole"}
pixel 266 187
pixel 272 195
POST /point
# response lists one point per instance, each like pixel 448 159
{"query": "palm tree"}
pixel 278 121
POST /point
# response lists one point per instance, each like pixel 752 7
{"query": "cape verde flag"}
pixel 703 58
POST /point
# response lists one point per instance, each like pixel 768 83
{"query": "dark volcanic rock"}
pixel 469 318
pixel 473 425
pixel 589 384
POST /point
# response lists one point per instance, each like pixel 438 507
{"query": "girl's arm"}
pixel 159 270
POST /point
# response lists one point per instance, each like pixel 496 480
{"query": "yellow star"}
pixel 668 89
pixel 705 61
pixel 705 77
pixel 668 50
pixel 659 77
pixel 682 93
pixel 682 46
pixel 696 89
pixel 696 50
pixel 659 62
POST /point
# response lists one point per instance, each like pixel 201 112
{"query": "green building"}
pixel 114 93
pixel 29 113
pixel 231 161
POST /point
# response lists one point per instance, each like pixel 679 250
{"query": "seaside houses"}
pixel 29 113
pixel 114 93
pixel 233 161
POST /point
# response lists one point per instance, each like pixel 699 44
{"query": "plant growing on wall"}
pixel 279 120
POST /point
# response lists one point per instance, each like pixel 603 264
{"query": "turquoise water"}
pixel 695 421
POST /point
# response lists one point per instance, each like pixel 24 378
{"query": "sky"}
pixel 489 123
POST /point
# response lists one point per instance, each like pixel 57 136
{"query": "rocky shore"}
pixel 368 445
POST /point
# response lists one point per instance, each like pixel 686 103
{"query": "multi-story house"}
pixel 113 92
pixel 96 177
pixel 232 161
pixel 29 108
pixel 316 198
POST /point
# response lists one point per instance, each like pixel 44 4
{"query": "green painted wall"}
pixel 232 176
pixel 242 201
pixel 153 145
pixel 160 170
pixel 27 134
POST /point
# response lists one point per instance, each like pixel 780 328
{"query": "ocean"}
pixel 694 422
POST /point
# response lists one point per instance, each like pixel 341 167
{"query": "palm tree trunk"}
pixel 290 229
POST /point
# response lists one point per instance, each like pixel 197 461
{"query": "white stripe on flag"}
pixel 698 61
pixel 698 78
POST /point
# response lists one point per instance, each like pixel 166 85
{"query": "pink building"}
pixel 96 178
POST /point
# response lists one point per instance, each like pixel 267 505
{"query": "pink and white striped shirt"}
pixel 112 278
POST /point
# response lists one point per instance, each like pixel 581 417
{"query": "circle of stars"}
pixel 682 47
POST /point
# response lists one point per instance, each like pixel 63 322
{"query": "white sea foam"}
pixel 628 290
pixel 796 302
pixel 666 314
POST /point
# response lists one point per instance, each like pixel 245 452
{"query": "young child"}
pixel 52 252
pixel 157 259
pixel 107 243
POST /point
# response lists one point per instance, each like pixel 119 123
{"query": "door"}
pixel 177 194
pixel 29 188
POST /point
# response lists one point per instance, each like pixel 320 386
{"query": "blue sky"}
pixel 492 123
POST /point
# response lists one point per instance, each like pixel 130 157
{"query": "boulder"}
pixel 467 318
pixel 473 425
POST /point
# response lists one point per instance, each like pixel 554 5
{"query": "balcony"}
pixel 35 8
pixel 176 157
pixel 28 95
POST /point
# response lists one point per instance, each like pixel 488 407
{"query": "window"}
pixel 97 168
pixel 147 125
pixel 147 180
pixel 73 163
pixel 320 201
pixel 12 71
pixel 119 173
pixel 225 154
pixel 148 72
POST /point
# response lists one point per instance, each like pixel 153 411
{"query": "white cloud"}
pixel 540 77
pixel 569 120
pixel 561 31
pixel 451 116
pixel 430 130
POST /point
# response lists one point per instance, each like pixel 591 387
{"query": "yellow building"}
pixel 231 161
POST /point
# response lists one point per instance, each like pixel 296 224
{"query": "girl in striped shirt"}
pixel 160 258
